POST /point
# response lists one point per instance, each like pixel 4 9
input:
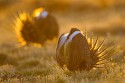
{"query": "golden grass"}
pixel 31 64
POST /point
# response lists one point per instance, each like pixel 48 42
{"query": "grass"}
pixel 33 64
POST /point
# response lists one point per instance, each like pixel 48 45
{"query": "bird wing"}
pixel 79 51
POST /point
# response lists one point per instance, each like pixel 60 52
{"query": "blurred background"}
pixel 102 17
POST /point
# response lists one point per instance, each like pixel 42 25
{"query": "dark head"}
pixel 72 31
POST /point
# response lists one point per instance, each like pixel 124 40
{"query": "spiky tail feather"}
pixel 26 30
pixel 20 22
pixel 97 52
pixel 31 30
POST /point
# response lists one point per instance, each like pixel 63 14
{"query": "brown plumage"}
pixel 78 42
pixel 36 28
pixel 48 26
pixel 78 53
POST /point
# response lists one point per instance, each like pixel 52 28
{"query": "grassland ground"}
pixel 33 64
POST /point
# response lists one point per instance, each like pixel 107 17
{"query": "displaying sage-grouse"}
pixel 36 28
pixel 77 52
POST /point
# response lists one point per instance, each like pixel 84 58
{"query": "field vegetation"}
pixel 29 64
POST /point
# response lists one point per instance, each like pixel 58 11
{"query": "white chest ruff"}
pixel 62 40
pixel 74 34
pixel 43 14
pixel 70 39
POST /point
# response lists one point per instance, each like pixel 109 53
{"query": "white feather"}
pixel 73 34
pixel 43 14
pixel 62 40
pixel 64 37
pixel 69 40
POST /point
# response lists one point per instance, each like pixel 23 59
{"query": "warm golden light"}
pixel 19 23
pixel 37 12
pixel 28 30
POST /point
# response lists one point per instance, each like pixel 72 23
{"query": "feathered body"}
pixel 47 23
pixel 36 28
pixel 77 53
